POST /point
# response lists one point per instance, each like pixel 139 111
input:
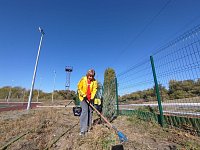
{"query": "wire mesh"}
pixel 178 70
pixel 136 88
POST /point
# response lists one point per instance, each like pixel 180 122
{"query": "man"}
pixel 87 88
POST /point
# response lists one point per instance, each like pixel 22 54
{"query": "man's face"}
pixel 90 77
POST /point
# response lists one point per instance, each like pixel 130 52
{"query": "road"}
pixel 186 109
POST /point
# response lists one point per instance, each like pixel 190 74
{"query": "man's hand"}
pixel 85 98
pixel 91 101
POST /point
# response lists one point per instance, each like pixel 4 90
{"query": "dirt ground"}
pixel 58 129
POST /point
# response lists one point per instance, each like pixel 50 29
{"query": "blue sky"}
pixel 85 34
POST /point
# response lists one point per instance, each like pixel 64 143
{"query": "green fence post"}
pixel 116 87
pixel 160 120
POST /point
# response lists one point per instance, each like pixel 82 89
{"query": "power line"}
pixel 183 28
pixel 184 35
pixel 145 27
pixel 179 31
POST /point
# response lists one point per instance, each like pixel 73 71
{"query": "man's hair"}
pixel 90 72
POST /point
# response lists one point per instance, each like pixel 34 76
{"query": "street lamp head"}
pixel 41 30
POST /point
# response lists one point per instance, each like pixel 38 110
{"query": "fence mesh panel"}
pixel 177 70
pixel 136 88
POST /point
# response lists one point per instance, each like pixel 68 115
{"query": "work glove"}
pixel 91 101
pixel 85 98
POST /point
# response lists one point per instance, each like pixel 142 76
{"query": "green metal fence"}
pixel 166 87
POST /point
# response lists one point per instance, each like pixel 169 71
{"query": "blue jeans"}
pixel 86 116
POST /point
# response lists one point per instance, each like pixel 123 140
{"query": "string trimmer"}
pixel 121 136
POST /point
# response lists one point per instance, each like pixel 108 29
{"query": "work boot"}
pixel 82 133
pixel 90 129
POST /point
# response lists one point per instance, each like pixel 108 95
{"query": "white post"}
pixel 39 90
pixel 9 94
pixel 38 95
pixel 24 92
pixel 35 70
pixel 54 84
pixel 10 91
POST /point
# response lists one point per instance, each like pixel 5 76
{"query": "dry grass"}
pixel 47 124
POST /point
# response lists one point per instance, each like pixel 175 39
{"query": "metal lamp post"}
pixel 35 70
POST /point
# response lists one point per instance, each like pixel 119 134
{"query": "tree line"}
pixel 22 94
pixel 176 90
